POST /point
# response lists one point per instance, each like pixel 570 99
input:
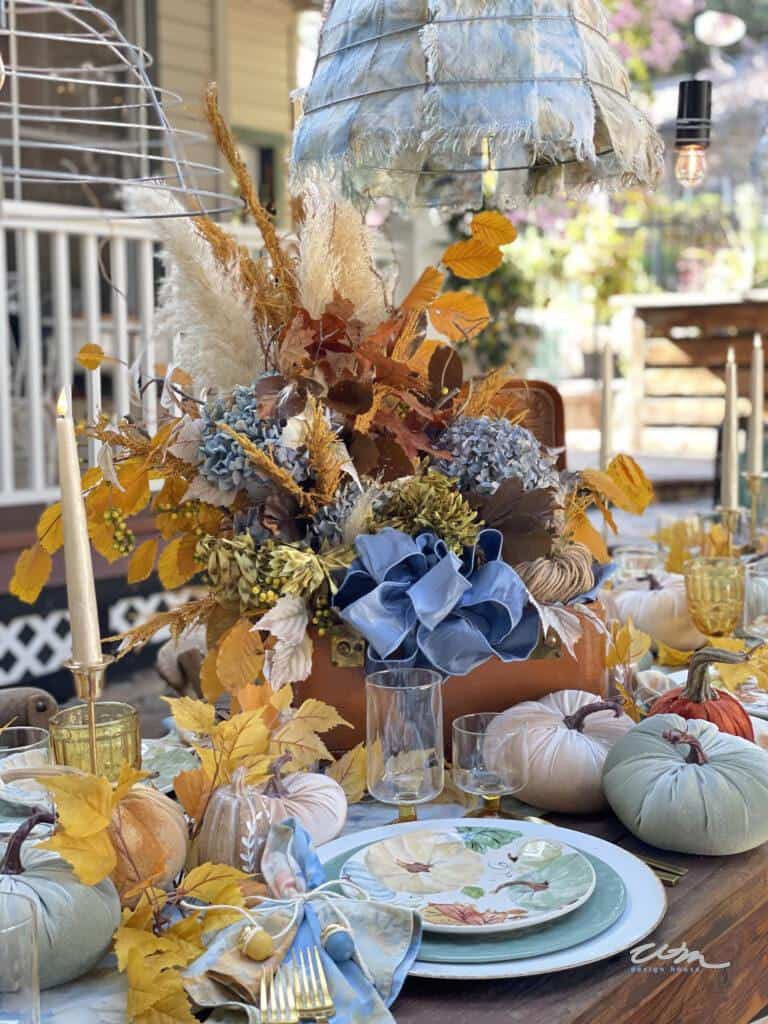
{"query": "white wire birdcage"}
pixel 80 115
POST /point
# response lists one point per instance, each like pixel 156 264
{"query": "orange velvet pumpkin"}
pixel 699 699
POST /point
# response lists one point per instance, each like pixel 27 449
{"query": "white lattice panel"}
pixel 33 645
pixel 130 611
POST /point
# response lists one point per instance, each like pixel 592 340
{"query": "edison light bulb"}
pixel 691 166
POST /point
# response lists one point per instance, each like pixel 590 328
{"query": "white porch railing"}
pixel 67 279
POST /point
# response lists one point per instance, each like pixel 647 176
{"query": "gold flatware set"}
pixel 298 992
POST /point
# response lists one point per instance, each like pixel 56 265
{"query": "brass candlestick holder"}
pixel 95 737
pixel 755 486
pixel 730 518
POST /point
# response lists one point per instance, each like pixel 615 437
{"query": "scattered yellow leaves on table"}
pixel 350 773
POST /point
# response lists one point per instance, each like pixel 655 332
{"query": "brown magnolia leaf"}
pixel 365 453
pixel 393 461
pixel 446 372
pixel 143 561
pixel 240 658
pixel 523 518
pixel 472 258
pixel 50 528
pixel 32 571
pixel 350 397
pixel 91 356
pixel 425 291
pixel 459 315
pixel 219 621
pixel 493 227
pixel 419 361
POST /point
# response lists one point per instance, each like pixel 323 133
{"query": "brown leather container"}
pixel 492 687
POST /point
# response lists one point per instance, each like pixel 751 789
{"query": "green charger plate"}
pixel 605 905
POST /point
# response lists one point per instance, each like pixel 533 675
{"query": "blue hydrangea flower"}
pixel 486 451
pixel 418 604
pixel 224 463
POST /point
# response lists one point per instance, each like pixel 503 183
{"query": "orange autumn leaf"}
pixel 177 564
pixel 425 291
pixel 493 227
pixel 193 788
pixel 634 484
pixel 91 356
pixel 240 657
pixel 32 571
pixel 583 532
pixel 472 258
pixel 459 315
pixel 50 528
pixel 143 561
pixel 134 481
pixel 419 361
pixel 209 678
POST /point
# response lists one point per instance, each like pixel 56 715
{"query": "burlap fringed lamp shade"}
pixel 456 102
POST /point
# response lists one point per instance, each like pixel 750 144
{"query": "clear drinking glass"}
pixel 19 979
pixel 756 599
pixel 635 561
pixel 23 750
pixel 404 727
pixel 487 763
pixel 715 589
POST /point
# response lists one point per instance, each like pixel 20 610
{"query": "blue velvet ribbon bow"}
pixel 419 604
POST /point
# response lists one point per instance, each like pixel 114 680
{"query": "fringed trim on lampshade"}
pixel 445 102
pixel 559 577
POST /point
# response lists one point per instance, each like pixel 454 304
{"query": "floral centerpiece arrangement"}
pixel 323 460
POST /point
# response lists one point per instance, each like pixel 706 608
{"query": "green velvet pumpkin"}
pixel 75 922
pixel 683 785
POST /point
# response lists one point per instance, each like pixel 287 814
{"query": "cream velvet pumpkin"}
pixel 153 831
pixel 75 922
pixel 658 606
pixel 681 784
pixel 569 736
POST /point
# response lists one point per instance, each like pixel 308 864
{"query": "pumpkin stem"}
pixel 274 786
pixel 577 719
pixel 652 581
pixel 11 863
pixel 696 755
pixel 698 688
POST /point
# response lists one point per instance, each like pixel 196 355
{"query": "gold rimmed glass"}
pixel 716 590
pixel 404 728
pixel 488 763
pixel 118 739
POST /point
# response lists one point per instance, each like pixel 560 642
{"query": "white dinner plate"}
pixel 645 907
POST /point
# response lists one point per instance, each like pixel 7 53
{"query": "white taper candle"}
pixel 757 396
pixel 729 488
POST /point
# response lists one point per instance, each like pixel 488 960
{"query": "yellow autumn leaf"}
pixel 91 356
pixel 31 573
pixel 581 531
pixel 127 779
pixel 425 291
pixel 240 737
pixel 50 528
pixel 259 769
pixel 177 564
pixel 156 994
pixel 282 698
pixel 472 258
pixel 187 938
pixel 214 883
pixel 103 540
pixel 147 944
pixel 134 481
pixel 83 802
pixel 143 561
pixel 493 228
pixel 142 914
pixel 209 677
pixel 350 773
pixel 316 716
pixel 627 645
pixel 304 746
pixel 671 658
pixel 92 857
pixel 602 483
pixel 240 657
pixel 419 361
pixel 459 315
pixel 635 486
pixel 629 705
pixel 193 789
pixel 192 715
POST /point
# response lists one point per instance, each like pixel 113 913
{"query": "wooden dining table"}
pixel 718 913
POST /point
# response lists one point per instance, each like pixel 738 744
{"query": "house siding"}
pixel 262 48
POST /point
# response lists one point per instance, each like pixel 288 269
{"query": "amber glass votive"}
pixel 118 738
pixel 715 589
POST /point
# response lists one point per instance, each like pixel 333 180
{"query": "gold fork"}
pixel 277 1001
pixel 311 986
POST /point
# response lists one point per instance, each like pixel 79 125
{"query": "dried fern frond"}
pixel 269 468
pixel 228 147
pixel 177 620
pixel 483 391
pixel 322 447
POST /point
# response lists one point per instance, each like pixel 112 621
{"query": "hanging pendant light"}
pixel 453 102
pixel 693 131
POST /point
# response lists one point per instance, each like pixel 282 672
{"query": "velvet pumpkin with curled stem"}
pixel 699 699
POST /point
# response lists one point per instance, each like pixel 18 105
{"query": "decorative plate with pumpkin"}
pixel 474 878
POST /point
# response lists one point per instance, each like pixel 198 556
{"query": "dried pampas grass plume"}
pixel 336 258
pixel 204 313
